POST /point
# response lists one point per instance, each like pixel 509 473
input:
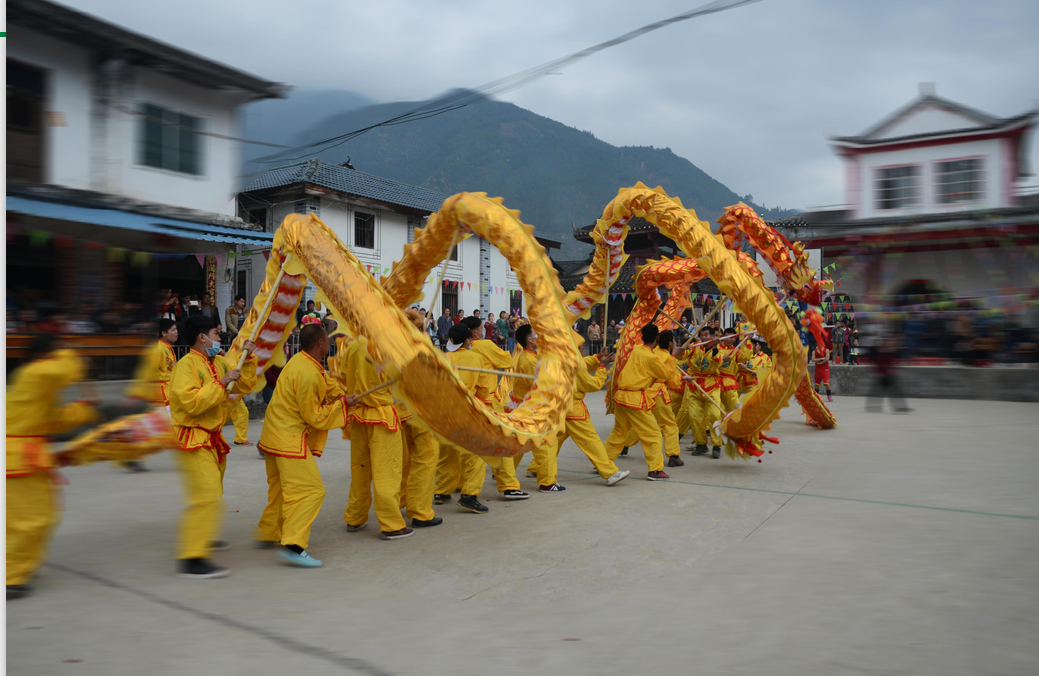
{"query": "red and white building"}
pixel 932 195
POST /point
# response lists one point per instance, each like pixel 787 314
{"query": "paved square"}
pixel 891 545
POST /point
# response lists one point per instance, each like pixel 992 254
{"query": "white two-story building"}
pixel 375 218
pixel 122 158
pixel 934 206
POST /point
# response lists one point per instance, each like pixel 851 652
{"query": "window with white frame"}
pixel 364 230
pixel 897 187
pixel 957 181
pixel 170 140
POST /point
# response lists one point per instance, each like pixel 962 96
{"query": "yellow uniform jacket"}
pixel 33 413
pixel 151 380
pixel 525 362
pixel 492 357
pixel 670 362
pixel 359 375
pixel 762 364
pixel 198 400
pixel 704 366
pixel 586 382
pixel 731 360
pixel 471 359
pixel 635 384
pixel 306 404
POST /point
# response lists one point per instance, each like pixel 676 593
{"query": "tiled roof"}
pixel 1028 210
pixel 625 282
pixel 350 182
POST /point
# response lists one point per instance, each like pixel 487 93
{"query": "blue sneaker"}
pixel 302 560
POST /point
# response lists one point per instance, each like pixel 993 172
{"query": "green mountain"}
pixel 554 174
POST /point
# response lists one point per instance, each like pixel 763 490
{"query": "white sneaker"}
pixel 618 477
pixel 531 475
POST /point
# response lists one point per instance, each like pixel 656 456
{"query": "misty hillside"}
pixel 554 174
pixel 281 120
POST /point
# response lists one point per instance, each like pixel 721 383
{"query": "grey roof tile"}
pixel 350 182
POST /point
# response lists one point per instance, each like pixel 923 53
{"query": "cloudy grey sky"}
pixel 748 95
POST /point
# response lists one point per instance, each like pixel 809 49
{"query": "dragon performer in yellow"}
pixel 738 223
pixel 422 379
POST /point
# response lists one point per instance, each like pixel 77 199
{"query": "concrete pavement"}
pixel 893 544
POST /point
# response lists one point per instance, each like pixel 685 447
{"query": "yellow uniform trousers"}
pixel 680 411
pixel 295 494
pixel 458 469
pixel 421 451
pixel 239 415
pixel 449 470
pixel 702 415
pixel 376 464
pixel 202 478
pixel 665 418
pixel 504 472
pixel 32 516
pixel 587 439
pixel 647 429
pixel 544 463
pixel 729 399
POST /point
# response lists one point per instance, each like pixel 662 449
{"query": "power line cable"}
pixel 459 99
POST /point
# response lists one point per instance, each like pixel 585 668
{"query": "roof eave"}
pixel 1008 125
pixel 101 36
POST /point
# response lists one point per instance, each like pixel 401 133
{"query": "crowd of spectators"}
pixel 966 337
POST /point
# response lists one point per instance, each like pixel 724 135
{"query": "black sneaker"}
pixel 472 504
pixel 716 452
pixel 136 466
pixel 17 591
pixel 419 523
pixel 674 461
pixel 440 499
pixel 219 545
pixel 201 569
pixel 699 449
pixel 624 451
pixel 398 534
pixel 554 488
pixel 515 495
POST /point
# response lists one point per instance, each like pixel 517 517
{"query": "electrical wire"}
pixel 462 98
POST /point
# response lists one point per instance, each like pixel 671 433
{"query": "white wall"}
pixel 210 191
pixel 66 148
pixel 70 88
pixel 501 277
pixel 861 174
pixel 391 235
pixel 927 120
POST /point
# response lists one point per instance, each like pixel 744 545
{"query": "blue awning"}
pixel 114 218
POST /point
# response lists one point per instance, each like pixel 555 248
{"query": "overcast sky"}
pixel 748 95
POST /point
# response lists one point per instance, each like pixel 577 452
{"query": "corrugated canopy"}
pixel 114 218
